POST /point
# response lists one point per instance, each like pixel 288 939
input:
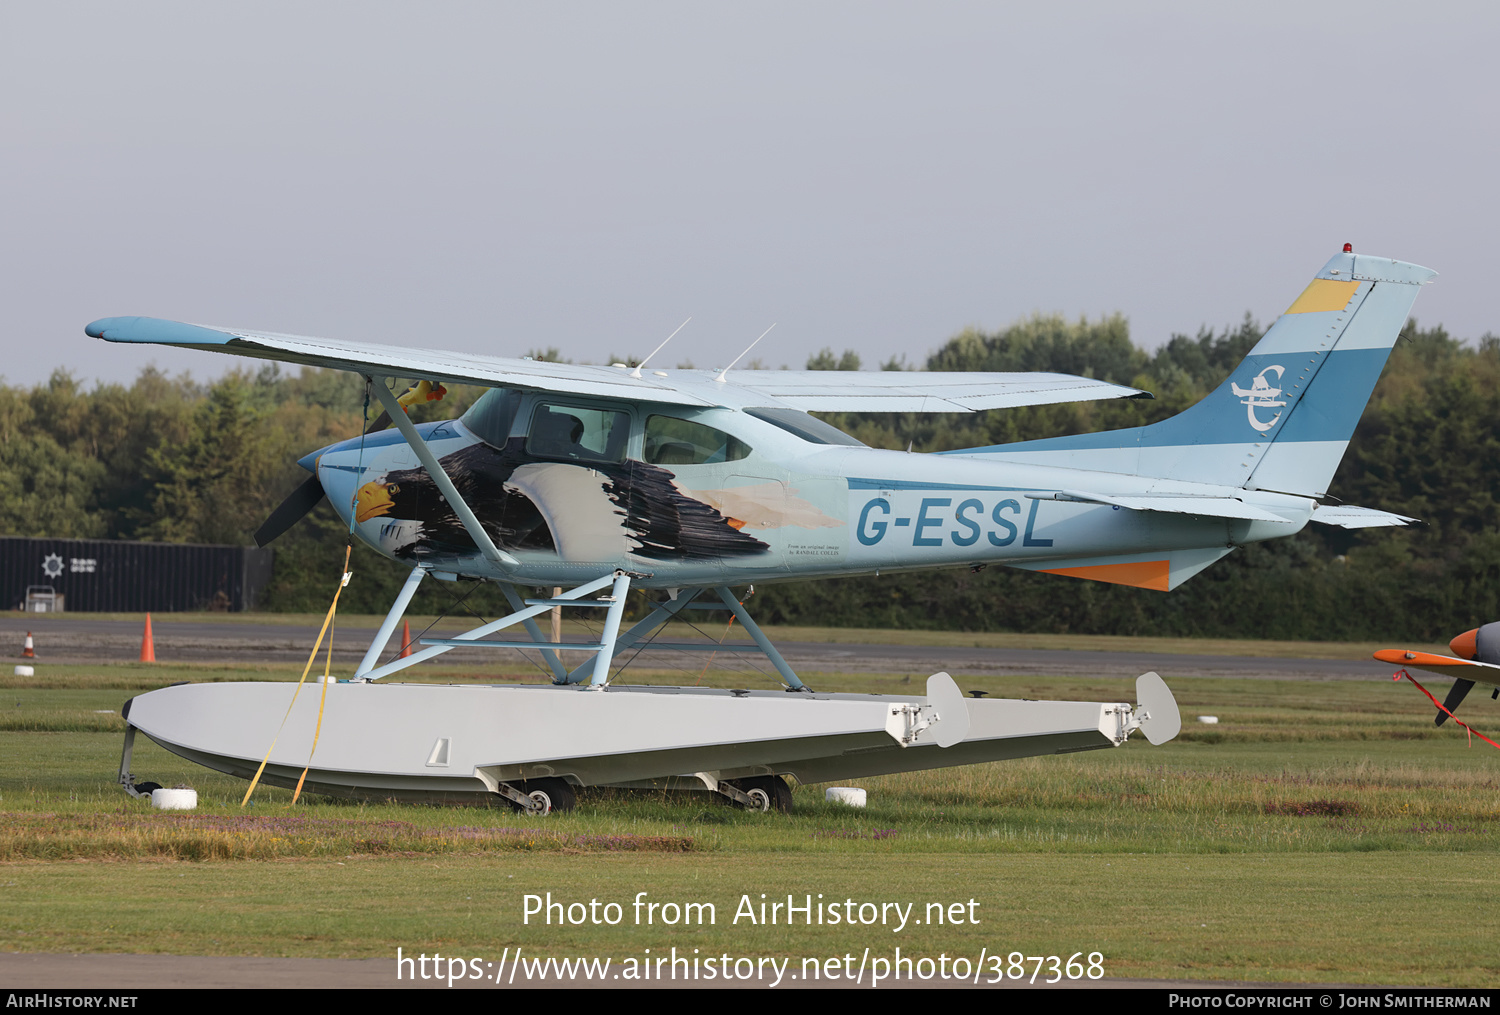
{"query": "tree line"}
pixel 177 460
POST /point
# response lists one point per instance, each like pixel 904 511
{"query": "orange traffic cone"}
pixel 405 640
pixel 29 652
pixel 148 647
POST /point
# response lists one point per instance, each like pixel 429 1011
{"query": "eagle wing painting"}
pixel 581 512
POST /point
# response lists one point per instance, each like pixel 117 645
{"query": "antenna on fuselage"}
pixel 636 373
pixel 741 356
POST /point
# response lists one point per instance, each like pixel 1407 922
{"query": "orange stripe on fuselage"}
pixel 1146 574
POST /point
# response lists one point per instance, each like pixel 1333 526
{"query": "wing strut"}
pixel 424 454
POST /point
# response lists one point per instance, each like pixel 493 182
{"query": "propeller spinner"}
pixel 311 493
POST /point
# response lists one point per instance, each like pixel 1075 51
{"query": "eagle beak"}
pixel 372 501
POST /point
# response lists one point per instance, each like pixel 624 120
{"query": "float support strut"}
pixel 753 629
pixel 388 626
pixel 559 674
pixel 661 614
pixel 611 629
pixel 437 646
pixel 666 611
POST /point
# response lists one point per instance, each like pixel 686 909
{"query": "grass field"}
pixel 1321 831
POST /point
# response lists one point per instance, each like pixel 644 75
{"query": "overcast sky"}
pixel 503 176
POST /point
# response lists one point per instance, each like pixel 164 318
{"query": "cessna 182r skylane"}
pixel 686 482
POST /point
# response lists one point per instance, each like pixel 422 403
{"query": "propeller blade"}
pixel 290 512
pixel 306 497
pixel 1460 688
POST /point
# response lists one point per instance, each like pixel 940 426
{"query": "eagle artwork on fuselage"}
pixel 566 488
pixel 595 511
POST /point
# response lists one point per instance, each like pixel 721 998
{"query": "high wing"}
pixel 807 390
pixel 904 391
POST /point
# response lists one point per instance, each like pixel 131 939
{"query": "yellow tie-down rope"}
pixel 327 667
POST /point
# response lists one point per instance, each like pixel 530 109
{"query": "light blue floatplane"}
pixel 683 483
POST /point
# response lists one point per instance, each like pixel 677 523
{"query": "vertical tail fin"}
pixel 1283 418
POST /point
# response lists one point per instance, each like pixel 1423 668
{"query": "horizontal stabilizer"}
pixel 1347 516
pixel 1161 572
pixel 1203 507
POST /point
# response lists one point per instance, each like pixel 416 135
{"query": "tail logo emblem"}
pixel 1261 395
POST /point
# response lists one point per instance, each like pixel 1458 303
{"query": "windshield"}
pixel 491 417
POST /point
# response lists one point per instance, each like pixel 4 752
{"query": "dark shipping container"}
pixel 112 576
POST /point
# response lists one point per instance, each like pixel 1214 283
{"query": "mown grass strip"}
pixel 137 836
pixel 1414 918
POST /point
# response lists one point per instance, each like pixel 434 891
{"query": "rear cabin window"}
pixel 673 441
pixel 578 433
pixel 809 428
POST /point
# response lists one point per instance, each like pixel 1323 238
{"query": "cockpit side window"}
pixel 673 441
pixel 578 433
pixel 492 416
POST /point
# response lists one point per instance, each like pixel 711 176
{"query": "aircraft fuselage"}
pixel 720 496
